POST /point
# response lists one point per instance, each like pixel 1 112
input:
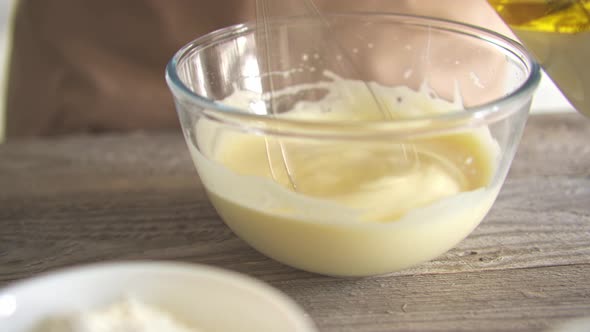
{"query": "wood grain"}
pixel 125 197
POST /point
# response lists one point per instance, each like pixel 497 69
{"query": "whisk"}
pixel 266 12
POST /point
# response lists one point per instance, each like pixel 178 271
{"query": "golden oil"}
pixel 557 32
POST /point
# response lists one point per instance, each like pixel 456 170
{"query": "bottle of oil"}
pixel 557 32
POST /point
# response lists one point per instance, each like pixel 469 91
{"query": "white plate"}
pixel 208 298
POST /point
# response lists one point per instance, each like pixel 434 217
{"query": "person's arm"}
pixel 92 66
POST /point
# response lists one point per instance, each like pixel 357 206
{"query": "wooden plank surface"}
pixel 124 197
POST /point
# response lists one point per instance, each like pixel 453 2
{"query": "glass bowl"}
pixel 359 149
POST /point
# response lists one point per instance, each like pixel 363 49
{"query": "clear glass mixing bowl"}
pixel 354 187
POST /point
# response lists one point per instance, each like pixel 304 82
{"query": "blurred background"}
pixel 547 99
pixel 5 11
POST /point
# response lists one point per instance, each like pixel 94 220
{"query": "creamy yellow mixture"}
pixel 350 207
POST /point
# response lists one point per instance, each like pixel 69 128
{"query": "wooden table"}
pixel 125 197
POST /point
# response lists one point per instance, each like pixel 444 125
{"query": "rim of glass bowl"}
pixel 470 117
